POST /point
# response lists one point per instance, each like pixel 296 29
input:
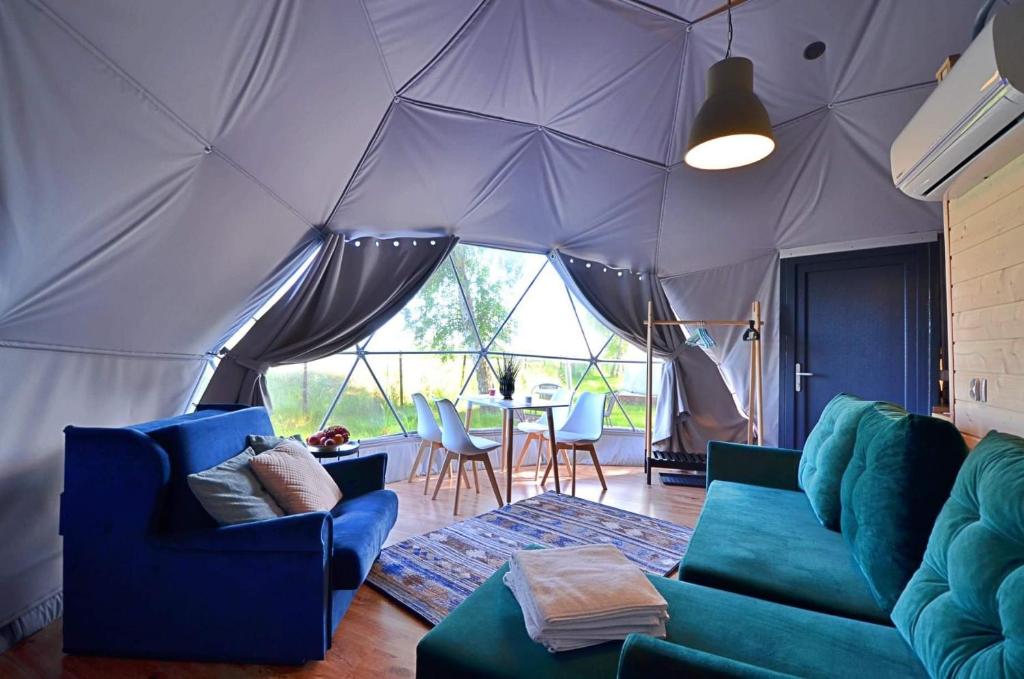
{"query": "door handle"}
pixel 798 382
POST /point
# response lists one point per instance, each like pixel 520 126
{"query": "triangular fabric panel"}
pixel 264 83
pixel 412 33
pixel 531 61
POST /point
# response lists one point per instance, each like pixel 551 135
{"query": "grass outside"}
pixel 365 413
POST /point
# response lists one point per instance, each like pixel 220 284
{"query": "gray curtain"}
pixel 694 405
pixel 347 293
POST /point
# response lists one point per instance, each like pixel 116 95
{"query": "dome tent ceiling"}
pixel 159 161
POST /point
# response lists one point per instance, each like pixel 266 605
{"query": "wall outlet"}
pixel 979 389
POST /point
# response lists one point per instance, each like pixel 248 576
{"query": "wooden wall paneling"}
pixel 984 232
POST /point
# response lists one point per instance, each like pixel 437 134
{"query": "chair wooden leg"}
pixel 573 492
pixel 494 482
pixel 419 458
pixel 522 451
pixel 541 445
pixel 465 477
pixel 597 465
pixel 547 470
pixel 430 463
pixel 446 468
pixel 458 484
pixel 476 478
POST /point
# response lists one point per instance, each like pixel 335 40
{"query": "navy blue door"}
pixel 856 322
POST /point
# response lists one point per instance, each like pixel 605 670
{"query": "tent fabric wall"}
pixel 163 165
pixel 727 292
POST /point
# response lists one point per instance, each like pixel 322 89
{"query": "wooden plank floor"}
pixel 377 638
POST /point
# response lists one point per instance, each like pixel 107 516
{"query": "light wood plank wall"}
pixel 985 275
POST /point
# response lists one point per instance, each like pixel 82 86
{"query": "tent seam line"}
pixel 370 146
pixel 158 103
pixel 513 121
pixel 101 56
pixel 376 42
pixel 661 224
pixel 658 11
pixel 66 348
pixel 444 48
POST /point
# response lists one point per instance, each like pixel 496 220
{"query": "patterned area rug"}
pixel 431 574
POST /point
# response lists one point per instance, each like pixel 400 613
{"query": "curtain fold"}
pixel 347 293
pixel 694 405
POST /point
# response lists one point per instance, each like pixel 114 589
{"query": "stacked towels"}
pixel 581 596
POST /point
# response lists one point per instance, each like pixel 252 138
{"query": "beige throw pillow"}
pixel 295 479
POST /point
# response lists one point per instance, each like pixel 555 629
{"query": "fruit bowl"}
pixel 339 449
pixel 333 439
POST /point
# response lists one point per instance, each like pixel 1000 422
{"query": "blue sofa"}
pixel 148 573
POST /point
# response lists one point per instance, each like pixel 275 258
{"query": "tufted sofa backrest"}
pixel 901 473
pixel 963 610
pixel 827 453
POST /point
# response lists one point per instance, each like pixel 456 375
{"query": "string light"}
pixel 377 243
pixel 357 243
pixel 414 243
pixel 395 243
pixel 620 274
pixel 433 242
pixel 588 265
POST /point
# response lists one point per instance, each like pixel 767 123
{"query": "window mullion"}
pixel 387 400
pixel 579 322
pixel 615 396
pixel 337 397
pixel 516 306
pixel 465 303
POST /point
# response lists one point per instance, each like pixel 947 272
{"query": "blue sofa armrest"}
pixel 310 532
pixel 754 465
pixel 644 657
pixel 359 476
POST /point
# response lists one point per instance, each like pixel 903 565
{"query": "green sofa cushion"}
pixel 485 637
pixel 827 453
pixel 901 473
pixel 963 611
pixel 767 543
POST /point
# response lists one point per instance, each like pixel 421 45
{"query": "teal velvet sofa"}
pixel 838 528
pixel 961 614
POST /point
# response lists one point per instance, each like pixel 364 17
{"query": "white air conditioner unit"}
pixel 971 124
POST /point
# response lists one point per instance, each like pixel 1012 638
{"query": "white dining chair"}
pixel 536 431
pixel 430 439
pixel 462 447
pixel 581 430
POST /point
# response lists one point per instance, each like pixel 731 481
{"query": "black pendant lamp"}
pixel 732 128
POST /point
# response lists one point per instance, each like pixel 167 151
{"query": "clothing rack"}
pixel 755 394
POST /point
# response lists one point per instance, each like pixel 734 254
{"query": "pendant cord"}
pixel 728 9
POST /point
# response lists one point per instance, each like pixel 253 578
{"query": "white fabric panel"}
pixel 727 292
pixel 55 389
pixel 265 83
pixel 842 188
pixel 615 448
pixel 600 70
pixel 172 282
pixel 412 33
pixel 505 184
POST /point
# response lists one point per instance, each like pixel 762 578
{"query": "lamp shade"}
pixel 732 128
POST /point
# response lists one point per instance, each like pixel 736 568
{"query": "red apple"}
pixel 330 441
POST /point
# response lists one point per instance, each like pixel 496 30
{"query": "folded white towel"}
pixel 585 582
pixel 582 596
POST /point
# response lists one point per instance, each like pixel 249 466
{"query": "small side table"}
pixel 336 452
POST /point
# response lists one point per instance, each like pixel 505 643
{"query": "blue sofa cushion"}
pixel 827 453
pixel 231 493
pixel 361 525
pixel 963 611
pixel 485 637
pixel 767 543
pixel 901 473
pixel 196 443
